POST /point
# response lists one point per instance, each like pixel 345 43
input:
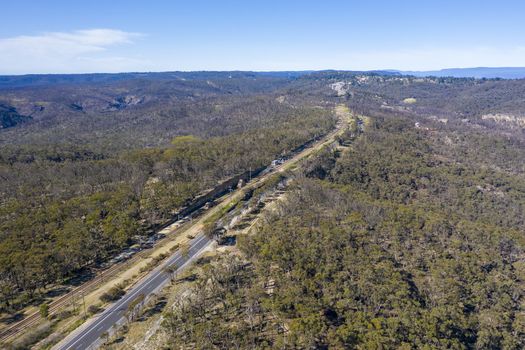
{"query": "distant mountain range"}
pixel 479 72
pixel 18 81
pixel 15 81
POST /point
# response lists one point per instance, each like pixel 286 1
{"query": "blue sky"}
pixel 114 36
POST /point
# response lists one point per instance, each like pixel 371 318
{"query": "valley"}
pixel 142 173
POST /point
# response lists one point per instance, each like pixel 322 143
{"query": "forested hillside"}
pixel 411 237
pixel 402 241
pixel 9 117
pixel 448 100
pixel 87 174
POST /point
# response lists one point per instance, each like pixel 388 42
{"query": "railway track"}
pixel 73 296
pixel 76 294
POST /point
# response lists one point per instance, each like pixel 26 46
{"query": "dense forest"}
pixel 411 237
pixel 78 185
pixel 404 240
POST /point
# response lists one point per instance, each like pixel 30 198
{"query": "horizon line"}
pixel 268 71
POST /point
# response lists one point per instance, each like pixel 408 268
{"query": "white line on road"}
pixel 154 275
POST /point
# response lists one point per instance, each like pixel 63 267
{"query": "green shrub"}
pixel 113 294
pixel 94 309
pixel 44 310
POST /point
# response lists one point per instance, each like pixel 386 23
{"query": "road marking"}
pixel 154 274
pixel 159 270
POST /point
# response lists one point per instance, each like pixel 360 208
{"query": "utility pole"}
pixel 74 303
pixel 84 302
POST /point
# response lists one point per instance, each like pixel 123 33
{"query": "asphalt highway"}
pixel 89 336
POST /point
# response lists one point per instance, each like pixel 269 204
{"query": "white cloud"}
pixel 107 50
pixel 60 52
